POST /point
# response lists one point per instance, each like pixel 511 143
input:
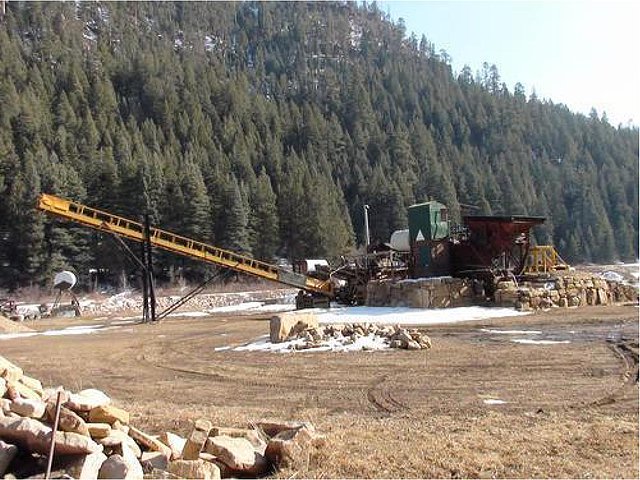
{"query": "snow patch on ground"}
pixel 511 332
pixel 494 401
pixel 412 316
pixel 9 336
pixel 365 343
pixel 74 330
pixel 188 314
pixel 253 307
pixel 528 341
pixel 28 309
pixel 256 301
pixel 371 315
pixel 236 308
pixel 83 327
pixel 276 308
pixel 612 276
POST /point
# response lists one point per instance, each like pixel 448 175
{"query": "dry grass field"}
pixel 571 408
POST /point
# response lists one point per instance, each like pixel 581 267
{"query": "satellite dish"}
pixel 64 280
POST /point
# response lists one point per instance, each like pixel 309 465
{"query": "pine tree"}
pixel 236 234
pixel 27 254
pixel 263 219
pixel 197 208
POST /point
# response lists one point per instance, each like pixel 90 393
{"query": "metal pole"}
pixel 145 283
pixel 149 262
pixel 367 238
pixel 53 435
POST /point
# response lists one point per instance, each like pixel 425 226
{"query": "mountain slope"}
pixel 264 127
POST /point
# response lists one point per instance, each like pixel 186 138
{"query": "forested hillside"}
pixel 264 128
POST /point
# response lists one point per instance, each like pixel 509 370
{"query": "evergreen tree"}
pixel 263 219
pixel 236 227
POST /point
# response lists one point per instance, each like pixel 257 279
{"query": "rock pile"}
pixel 394 336
pixel 574 290
pixel 96 440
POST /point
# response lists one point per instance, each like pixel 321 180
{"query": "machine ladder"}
pixel 172 242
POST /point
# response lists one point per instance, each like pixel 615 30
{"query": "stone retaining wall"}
pixel 440 292
pixel 569 290
pixel 573 289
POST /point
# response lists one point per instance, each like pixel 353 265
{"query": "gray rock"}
pixel 26 407
pixel 274 427
pixel 114 467
pixel 288 446
pixel 86 467
pixel 135 471
pixel 36 437
pixel 7 454
pixel 69 420
pixel 196 469
pixel 238 454
pixel 118 439
pixel 255 437
pixel 148 442
pixel 194 444
pixel 87 400
pixel 175 442
pixel 154 460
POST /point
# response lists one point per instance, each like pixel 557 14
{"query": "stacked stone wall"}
pixel 438 292
pixel 575 289
pixel 570 290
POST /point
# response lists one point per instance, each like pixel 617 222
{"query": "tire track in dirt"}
pixel 627 351
pixel 382 399
pixel 233 370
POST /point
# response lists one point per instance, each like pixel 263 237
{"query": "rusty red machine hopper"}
pixel 492 243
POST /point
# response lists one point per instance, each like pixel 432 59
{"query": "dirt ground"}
pixel 571 408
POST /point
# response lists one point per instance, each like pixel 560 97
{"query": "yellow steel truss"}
pixel 172 242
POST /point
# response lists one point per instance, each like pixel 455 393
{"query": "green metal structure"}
pixel 428 233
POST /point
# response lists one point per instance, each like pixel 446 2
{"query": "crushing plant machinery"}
pixel 483 247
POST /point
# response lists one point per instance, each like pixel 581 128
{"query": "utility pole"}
pixel 367 238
